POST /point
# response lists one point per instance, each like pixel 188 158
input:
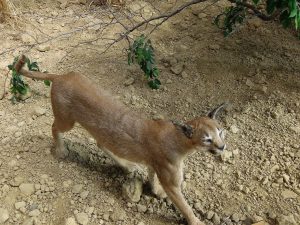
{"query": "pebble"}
pixel 27 189
pixel 129 81
pixel 235 217
pixel 19 205
pixel 260 223
pixel 34 213
pixel 39 111
pixel 286 220
pixel 141 208
pixel 210 215
pixel 84 194
pixel 286 194
pixel 234 129
pixel 202 15
pixel 4 215
pixel 132 189
pixel 177 68
pixel 77 188
pixel 216 219
pixel 70 221
pixel 214 47
pixel 82 218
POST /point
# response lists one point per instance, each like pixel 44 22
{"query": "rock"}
pixel 234 129
pixel 34 213
pixel 19 205
pixel 70 221
pixel 129 81
pixel 84 194
pixel 286 178
pixel 27 189
pixel 226 156
pixel 177 68
pixel 274 168
pixel 4 215
pixel 118 215
pixel 39 111
pixel 82 218
pixel 43 48
pixel 286 220
pixel 77 188
pixel 235 217
pixel 132 189
pixel 249 83
pixel 216 219
pixel 210 215
pixel 260 223
pixel 214 47
pixel 286 194
pixel 296 129
pixel 141 208
pixel 202 15
pixel 255 22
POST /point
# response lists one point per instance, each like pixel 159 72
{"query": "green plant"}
pixel 18 87
pixel 288 12
pixel 142 53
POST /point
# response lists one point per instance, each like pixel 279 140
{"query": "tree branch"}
pixel 253 9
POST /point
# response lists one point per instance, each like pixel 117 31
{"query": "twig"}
pixel 4 86
pixel 254 9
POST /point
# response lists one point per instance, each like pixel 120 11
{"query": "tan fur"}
pixel 159 144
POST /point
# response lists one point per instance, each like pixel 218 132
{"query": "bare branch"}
pixel 253 9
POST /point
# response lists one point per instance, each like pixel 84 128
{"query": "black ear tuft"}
pixel 186 129
pixel 212 114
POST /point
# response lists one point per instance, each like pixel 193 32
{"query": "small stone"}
pixel 249 83
pixel 4 215
pixel 260 223
pixel 274 168
pixel 34 213
pixel 210 215
pixel 19 205
pixel 132 189
pixel 296 129
pixel 39 111
pixel 177 68
pixel 214 47
pixel 286 194
pixel 141 208
pixel 286 178
pixel 17 181
pixel 84 194
pixel 82 218
pixel 235 217
pixel 118 215
pixel 216 219
pixel 234 129
pixel 77 188
pixel 129 81
pixel 286 220
pixel 27 189
pixel 184 75
pixel 43 48
pixel 255 22
pixel 202 15
pixel 226 156
pixel 71 221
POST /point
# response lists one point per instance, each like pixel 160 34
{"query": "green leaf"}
pixel 255 2
pixel 154 84
pixel 271 4
pixel 47 82
pixel 292 8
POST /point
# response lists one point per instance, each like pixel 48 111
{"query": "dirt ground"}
pixel 256 69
